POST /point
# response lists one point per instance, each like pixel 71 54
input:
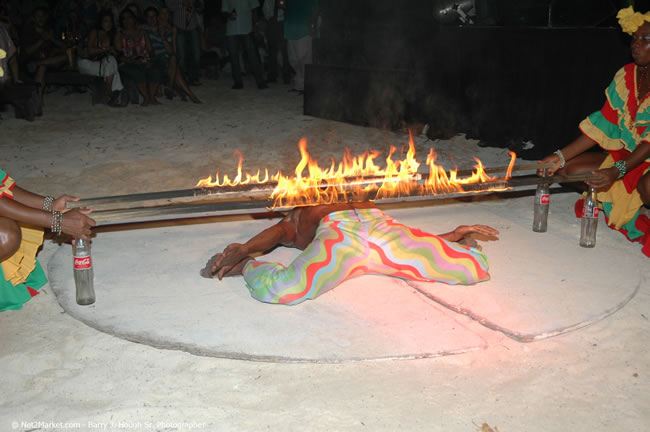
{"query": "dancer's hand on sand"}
pixel 465 230
pixel 77 224
pixel 59 204
pixel 213 269
pixel 231 255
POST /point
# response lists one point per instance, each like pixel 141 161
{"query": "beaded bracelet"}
pixel 57 222
pixel 622 168
pixel 47 203
pixel 562 159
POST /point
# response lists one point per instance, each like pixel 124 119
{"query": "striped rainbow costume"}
pixel 621 124
pixel 352 243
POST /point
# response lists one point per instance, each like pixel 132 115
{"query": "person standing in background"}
pixel 299 25
pixel 239 25
pixel 187 20
pixel 274 14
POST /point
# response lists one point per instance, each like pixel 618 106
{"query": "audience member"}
pixel 98 59
pixel 187 20
pixel 24 98
pixel 239 15
pixel 137 59
pixel 299 23
pixel 163 39
pixel 8 64
pixel 213 41
pixel 41 49
pixel 274 14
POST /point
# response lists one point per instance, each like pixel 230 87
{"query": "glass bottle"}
pixel 83 272
pixel 542 203
pixel 589 220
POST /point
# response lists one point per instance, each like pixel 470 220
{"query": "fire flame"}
pixel 356 178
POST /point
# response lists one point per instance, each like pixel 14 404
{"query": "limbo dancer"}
pixel 23 215
pixel 620 128
pixel 342 241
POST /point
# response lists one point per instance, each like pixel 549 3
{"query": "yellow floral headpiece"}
pixel 630 21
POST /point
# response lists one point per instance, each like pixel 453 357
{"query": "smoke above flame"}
pixel 355 178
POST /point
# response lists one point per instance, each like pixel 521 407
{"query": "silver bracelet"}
pixel 561 156
pixel 57 222
pixel 47 203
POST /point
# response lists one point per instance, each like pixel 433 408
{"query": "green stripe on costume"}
pixel 13 297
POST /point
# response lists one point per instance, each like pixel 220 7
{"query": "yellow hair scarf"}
pixel 630 20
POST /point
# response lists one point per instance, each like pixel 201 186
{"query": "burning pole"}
pixel 257 198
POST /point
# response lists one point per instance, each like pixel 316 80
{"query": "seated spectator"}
pixel 98 59
pixel 163 40
pixel 41 50
pixel 24 97
pixel 7 63
pixel 9 40
pixel 137 59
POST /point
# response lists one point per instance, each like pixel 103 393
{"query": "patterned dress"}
pixel 621 124
pixel 352 243
pixel 21 274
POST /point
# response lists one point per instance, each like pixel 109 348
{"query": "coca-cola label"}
pixel 82 263
pixel 544 199
pixel 589 211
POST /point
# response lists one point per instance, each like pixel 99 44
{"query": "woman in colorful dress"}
pixel 23 215
pixel 99 57
pixel 137 58
pixel 621 128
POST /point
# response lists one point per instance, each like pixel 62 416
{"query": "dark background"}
pixel 526 70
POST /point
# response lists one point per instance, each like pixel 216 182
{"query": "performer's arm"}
pixel 464 230
pixel 75 222
pixel 609 175
pixel 35 201
pixel 577 147
pixel 283 233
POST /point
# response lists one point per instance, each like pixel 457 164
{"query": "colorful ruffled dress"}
pixel 621 124
pixel 21 273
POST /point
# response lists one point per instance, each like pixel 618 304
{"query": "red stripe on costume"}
pixel 632 177
pixel 446 248
pixel 609 113
pixel 632 104
pixel 32 291
pixel 312 269
pixel 401 267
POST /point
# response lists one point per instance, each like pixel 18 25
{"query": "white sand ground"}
pixel 56 369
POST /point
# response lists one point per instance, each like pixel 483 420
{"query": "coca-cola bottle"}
pixel 589 220
pixel 83 272
pixel 542 202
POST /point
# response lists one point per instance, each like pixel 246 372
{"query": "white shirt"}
pixel 243 24
pixel 269 9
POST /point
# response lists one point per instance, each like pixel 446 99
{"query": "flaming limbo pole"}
pixel 251 200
